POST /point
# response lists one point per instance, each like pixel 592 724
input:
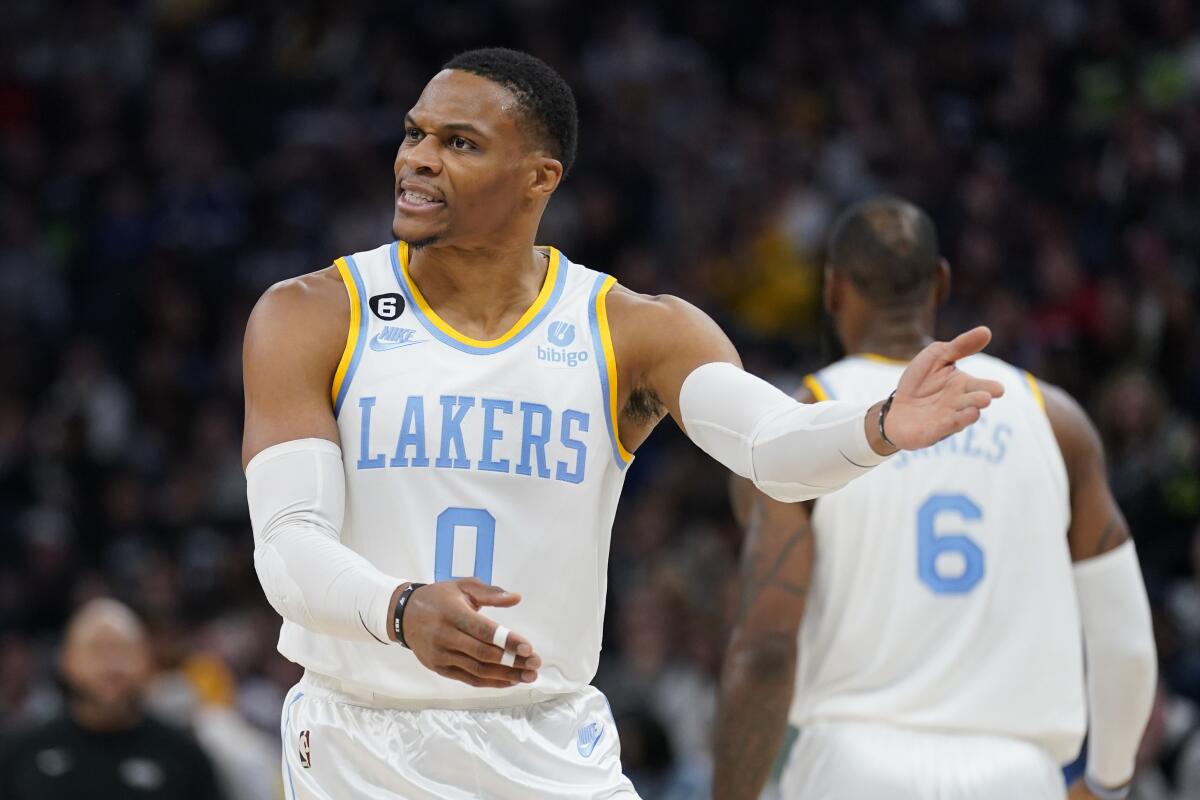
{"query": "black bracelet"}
pixel 887 406
pixel 398 615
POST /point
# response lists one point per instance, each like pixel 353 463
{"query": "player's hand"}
pixel 446 632
pixel 935 399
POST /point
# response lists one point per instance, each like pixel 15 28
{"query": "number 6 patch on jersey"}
pixel 387 306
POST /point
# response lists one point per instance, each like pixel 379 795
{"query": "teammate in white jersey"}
pixel 454 412
pixel 939 599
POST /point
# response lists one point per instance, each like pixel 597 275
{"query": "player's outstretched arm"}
pixel 758 674
pixel 296 491
pixel 1122 668
pixel 678 357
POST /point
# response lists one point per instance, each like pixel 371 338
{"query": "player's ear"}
pixel 547 174
pixel 942 287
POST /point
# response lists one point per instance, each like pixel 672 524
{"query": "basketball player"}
pixel 939 653
pixel 453 413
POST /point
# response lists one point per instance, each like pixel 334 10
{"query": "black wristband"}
pixel 887 406
pixel 398 614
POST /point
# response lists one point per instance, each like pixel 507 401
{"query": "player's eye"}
pixel 412 135
pixel 459 143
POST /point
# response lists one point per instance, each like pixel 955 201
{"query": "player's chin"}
pixel 417 232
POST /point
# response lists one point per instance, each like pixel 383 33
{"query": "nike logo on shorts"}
pixel 588 737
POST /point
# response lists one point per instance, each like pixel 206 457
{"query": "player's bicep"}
pixel 293 342
pixel 668 339
pixel 1097 524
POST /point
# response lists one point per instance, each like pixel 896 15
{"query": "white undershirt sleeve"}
pixel 297 497
pixel 792 451
pixel 1122 665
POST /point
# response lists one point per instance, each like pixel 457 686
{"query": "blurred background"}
pixel 162 163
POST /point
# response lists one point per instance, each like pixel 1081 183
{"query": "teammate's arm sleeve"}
pixel 297 496
pixel 759 670
pixel 1121 661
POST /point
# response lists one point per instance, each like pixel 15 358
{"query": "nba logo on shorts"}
pixel 588 737
pixel 305 751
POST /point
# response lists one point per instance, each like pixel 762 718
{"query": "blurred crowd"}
pixel 162 163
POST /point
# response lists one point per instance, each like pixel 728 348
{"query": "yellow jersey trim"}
pixel 610 360
pixel 878 359
pixel 1035 390
pixel 813 385
pixel 445 327
pixel 339 376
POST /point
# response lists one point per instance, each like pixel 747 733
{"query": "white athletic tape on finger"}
pixel 508 659
pixel 500 637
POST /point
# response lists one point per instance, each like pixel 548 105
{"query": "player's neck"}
pixel 479 292
pixel 897 339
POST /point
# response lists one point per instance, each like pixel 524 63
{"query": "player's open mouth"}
pixel 415 200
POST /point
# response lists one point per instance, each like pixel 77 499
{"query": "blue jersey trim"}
pixel 602 366
pixel 824 385
pixel 560 282
pixel 362 335
pixel 287 720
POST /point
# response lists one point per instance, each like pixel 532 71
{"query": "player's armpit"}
pixel 1097 525
pixel 758 675
pixel 294 340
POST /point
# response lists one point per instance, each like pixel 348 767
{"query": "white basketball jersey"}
pixel 496 459
pixel 942 594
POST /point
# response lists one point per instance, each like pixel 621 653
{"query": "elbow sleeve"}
pixel 297 496
pixel 1122 667
pixel 791 451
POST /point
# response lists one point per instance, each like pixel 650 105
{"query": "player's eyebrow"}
pixel 456 127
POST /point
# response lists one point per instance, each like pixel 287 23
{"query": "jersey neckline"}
pixel 551 290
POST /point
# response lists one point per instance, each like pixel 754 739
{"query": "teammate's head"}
pixel 884 264
pixel 485 146
pixel 105 662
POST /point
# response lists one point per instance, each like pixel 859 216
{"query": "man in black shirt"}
pixel 105 746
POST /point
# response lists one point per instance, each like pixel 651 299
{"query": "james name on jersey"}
pixel 508 436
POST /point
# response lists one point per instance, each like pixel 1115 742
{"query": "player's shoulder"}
pixel 664 314
pixel 314 299
pixel 305 317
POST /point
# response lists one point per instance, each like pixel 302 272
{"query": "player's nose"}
pixel 422 158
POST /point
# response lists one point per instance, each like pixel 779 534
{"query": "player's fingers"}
pixel 485 630
pixel 491 672
pixel 964 417
pixel 993 388
pixel 490 654
pixel 461 675
pixel 484 595
pixel 973 400
pixel 967 344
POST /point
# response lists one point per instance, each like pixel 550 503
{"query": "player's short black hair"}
pixel 542 95
pixel 889 249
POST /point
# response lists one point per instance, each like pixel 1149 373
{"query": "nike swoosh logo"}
pixel 379 346
pixel 589 748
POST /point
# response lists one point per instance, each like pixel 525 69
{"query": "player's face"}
pixel 462 167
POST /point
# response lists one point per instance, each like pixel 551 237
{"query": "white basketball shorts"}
pixel 336 748
pixel 845 760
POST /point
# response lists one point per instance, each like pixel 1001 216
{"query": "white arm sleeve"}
pixel 297 496
pixel 792 451
pixel 1122 667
